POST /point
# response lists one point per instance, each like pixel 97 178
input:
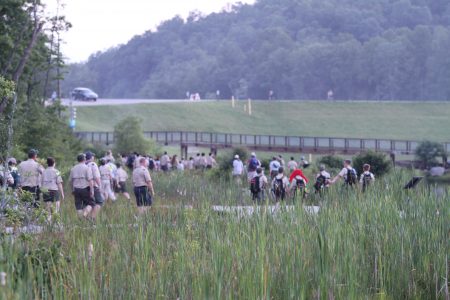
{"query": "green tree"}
pixel 130 138
pixel 379 163
pixel 428 151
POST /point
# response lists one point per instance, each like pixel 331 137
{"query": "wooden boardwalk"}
pixel 215 141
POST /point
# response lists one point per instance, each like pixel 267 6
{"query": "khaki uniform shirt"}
pixel 141 176
pixel 80 175
pixel 122 175
pixel 51 178
pixel 29 171
pixel 95 172
pixel 105 172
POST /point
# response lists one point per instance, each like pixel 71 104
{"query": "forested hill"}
pixel 300 49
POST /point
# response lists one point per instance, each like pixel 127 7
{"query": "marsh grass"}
pixel 385 244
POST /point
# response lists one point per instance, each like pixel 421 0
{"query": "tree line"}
pixel 298 49
pixel 31 68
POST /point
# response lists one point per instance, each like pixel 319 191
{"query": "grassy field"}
pixel 411 121
pixel 385 244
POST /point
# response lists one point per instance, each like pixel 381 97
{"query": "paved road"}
pixel 99 102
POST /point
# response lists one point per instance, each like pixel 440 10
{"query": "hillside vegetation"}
pixel 299 49
pixel 416 121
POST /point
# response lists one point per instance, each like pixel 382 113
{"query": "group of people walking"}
pixel 294 183
pixel 92 185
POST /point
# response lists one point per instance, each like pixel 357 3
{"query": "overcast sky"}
pixel 101 24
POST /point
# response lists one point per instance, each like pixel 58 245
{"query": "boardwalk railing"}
pixel 266 142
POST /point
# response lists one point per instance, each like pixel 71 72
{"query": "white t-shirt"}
pixel 274 165
pixel 324 174
pixel 292 165
pixel 238 167
pixel 343 173
pixel 372 177
pixel 180 167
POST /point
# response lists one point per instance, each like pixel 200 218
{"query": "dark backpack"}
pixel 278 187
pixel 255 186
pixel 151 164
pixel 253 165
pixel 15 175
pixel 352 178
pixel 367 179
pixel 320 183
pixel 130 161
pixel 300 182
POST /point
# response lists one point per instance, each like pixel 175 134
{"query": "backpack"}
pixel 130 161
pixel 278 187
pixel 300 182
pixel 151 164
pixel 15 175
pixel 320 183
pixel 255 186
pixel 367 179
pixel 253 165
pixel 352 178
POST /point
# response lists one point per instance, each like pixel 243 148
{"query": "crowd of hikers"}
pixel 288 180
pixel 93 181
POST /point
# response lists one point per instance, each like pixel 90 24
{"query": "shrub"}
pixel 331 161
pixel 379 163
pixel 129 137
pixel 427 152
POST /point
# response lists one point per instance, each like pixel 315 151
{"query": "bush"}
pixel 129 137
pixel 331 161
pixel 379 163
pixel 427 152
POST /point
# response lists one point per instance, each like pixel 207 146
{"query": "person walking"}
pixel 98 196
pixel 52 189
pixel 274 166
pixel 258 186
pixel 348 173
pixel 280 185
pixel 143 187
pixel 367 178
pixel 106 178
pixel 322 180
pixel 31 171
pixel 164 161
pixel 82 185
pixel 292 165
pixel 238 169
pixel 122 177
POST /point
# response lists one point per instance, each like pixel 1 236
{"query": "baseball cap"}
pixel 253 154
pixel 236 156
pixel 12 160
pixel 89 155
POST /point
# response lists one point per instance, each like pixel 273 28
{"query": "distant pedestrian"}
pixel 322 180
pixel 238 169
pixel 258 186
pixel 52 187
pixel 122 178
pixel 31 171
pixel 106 178
pixel 304 162
pixel 97 182
pixel 348 173
pixel 367 178
pixel 164 161
pixel 280 185
pixel 292 165
pixel 82 186
pixel 143 187
pixel 253 164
